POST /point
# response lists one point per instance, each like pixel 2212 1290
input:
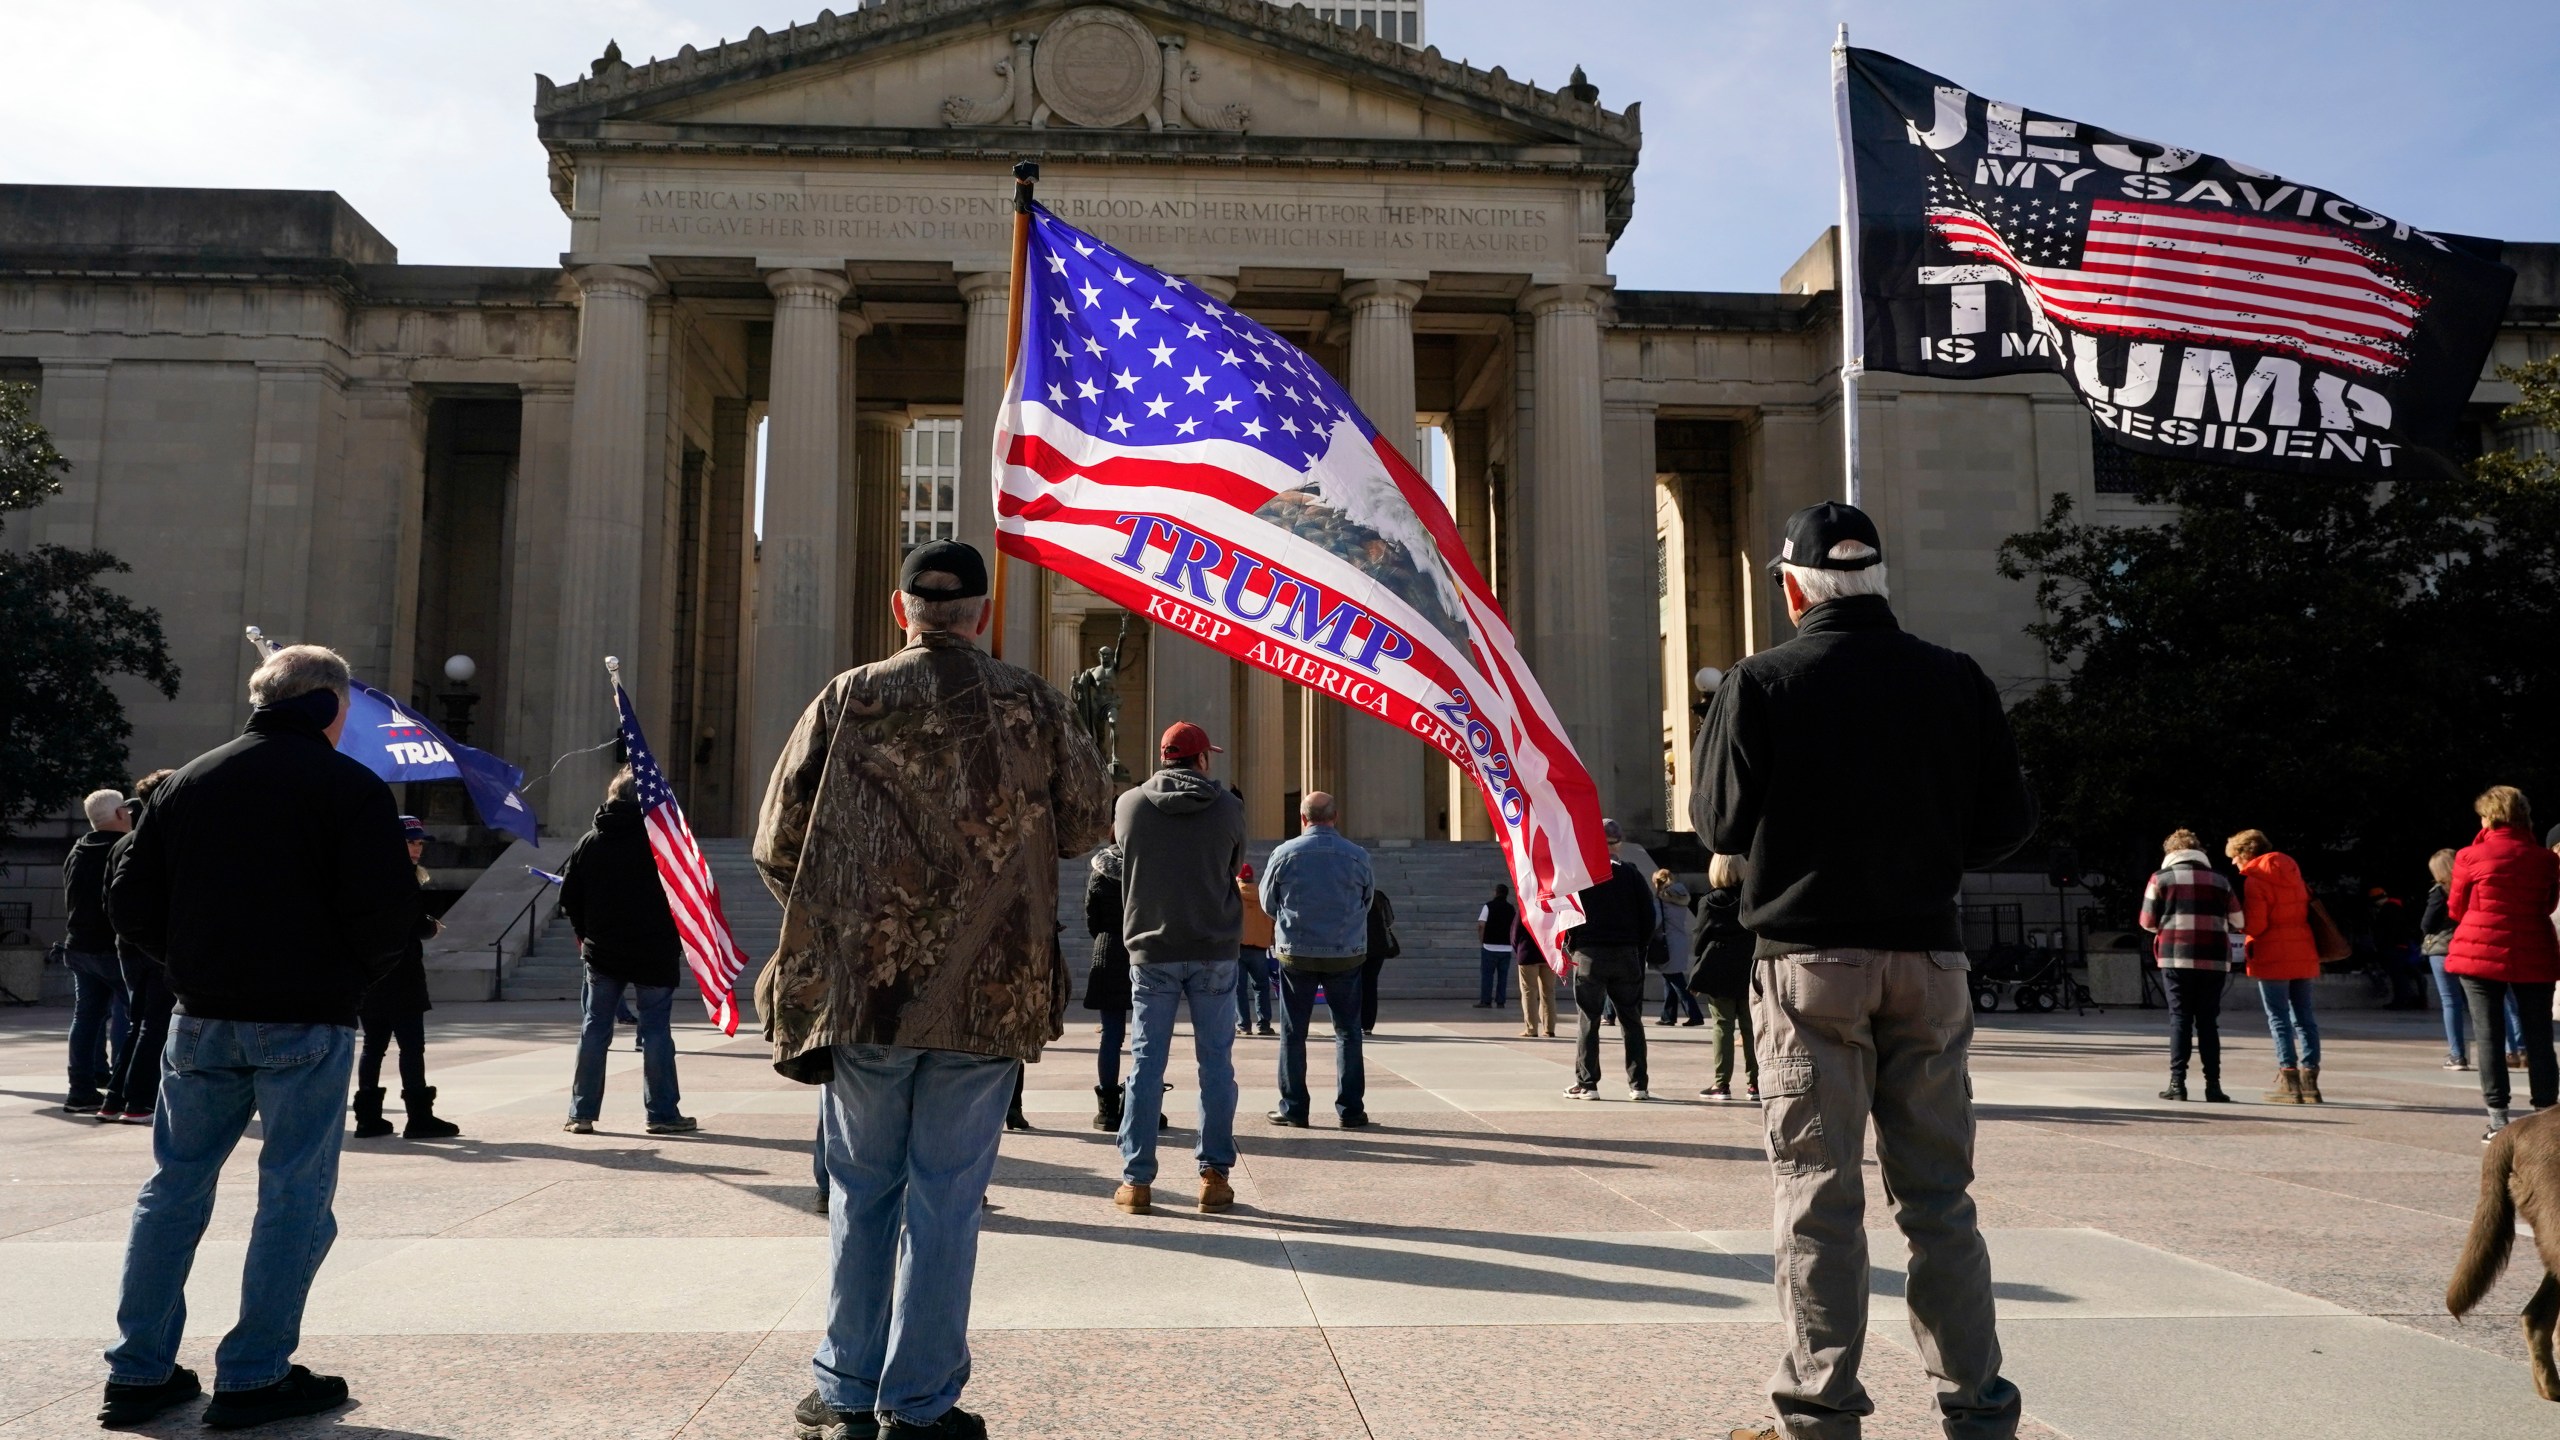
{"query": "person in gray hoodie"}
pixel 1181 837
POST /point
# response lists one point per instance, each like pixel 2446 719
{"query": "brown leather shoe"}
pixel 1136 1199
pixel 1758 1432
pixel 1215 1193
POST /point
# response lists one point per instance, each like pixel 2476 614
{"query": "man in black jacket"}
pixel 269 878
pixel 99 1002
pixel 627 936
pixel 1618 917
pixel 1862 771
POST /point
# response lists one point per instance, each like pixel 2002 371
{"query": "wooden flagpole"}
pixel 1026 175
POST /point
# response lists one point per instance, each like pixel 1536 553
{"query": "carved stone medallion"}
pixel 1098 67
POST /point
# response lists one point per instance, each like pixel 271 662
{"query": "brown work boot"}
pixel 2311 1085
pixel 1215 1193
pixel 1758 1432
pixel 2288 1089
pixel 1136 1199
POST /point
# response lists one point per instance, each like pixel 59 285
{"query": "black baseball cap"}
pixel 1813 530
pixel 950 557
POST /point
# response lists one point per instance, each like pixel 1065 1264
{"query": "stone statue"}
pixel 1097 699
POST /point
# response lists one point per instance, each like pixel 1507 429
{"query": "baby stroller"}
pixel 2036 976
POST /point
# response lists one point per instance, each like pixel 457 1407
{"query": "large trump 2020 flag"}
pixel 1166 452
pixel 2203 309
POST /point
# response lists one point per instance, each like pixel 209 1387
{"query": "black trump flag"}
pixel 2202 309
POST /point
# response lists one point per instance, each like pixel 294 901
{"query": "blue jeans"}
pixel 2456 1011
pixel 1297 1007
pixel 658 1097
pixel 911 1141
pixel 1253 988
pixel 1159 991
pixel 1676 999
pixel 98 1024
pixel 2290 1021
pixel 214 1074
pixel 1493 977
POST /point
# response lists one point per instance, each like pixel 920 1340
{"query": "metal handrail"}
pixel 498 947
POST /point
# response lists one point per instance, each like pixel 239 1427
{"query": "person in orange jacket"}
pixel 2283 958
pixel 1253 953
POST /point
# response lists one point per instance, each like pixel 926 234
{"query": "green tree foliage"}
pixel 62 634
pixel 2339 665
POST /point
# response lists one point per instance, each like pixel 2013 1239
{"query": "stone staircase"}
pixel 1437 887
pixel 551 971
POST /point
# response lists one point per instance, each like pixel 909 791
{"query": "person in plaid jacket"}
pixel 2197 918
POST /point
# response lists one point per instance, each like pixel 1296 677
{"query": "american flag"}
pixel 1183 460
pixel 2160 272
pixel 693 898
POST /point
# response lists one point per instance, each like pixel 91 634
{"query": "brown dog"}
pixel 2521 1172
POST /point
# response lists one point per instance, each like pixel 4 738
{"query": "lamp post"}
pixel 458 699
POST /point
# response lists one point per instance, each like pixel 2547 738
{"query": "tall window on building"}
pixel 929 466
pixel 1397 19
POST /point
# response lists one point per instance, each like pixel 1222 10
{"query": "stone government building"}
pixel 796 244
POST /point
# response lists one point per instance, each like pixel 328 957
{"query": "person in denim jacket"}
pixel 1317 889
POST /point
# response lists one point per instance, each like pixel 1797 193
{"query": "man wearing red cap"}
pixel 1181 837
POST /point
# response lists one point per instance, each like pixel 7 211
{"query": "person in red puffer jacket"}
pixel 2284 959
pixel 2504 888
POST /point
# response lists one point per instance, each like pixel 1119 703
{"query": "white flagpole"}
pixel 1853 337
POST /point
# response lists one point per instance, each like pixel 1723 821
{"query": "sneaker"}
pixel 814 1419
pixel 81 1107
pixel 1582 1092
pixel 953 1424
pixel 1716 1092
pixel 134 1117
pixel 1264 1030
pixel 1686 1024
pixel 1215 1193
pixel 1639 1093
pixel 1134 1199
pixel 2456 1062
pixel 1755 1094
pixel 133 1404
pixel 681 1125
pixel 299 1393
pixel 580 1127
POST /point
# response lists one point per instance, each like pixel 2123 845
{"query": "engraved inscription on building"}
pixel 969 221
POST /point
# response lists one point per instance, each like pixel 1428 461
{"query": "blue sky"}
pixel 420 114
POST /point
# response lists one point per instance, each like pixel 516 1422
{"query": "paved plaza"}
pixel 1493 1260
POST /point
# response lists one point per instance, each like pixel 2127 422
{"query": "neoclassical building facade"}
pixel 771 354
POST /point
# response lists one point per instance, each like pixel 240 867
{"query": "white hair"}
pixel 101 806
pixel 1818 586
pixel 298 670
pixel 928 616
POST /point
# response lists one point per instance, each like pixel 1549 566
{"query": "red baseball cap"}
pixel 1184 740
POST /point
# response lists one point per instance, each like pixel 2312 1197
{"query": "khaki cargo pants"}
pixel 1844 1035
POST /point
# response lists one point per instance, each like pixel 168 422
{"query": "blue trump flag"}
pixel 388 739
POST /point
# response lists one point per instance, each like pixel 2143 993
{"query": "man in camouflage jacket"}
pixel 912 831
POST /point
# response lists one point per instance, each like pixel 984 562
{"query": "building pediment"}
pixel 1229 79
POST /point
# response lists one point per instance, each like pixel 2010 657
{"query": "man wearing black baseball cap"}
pixel 912 831
pixel 1862 771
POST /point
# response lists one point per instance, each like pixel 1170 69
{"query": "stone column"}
pixel 1264 774
pixel 537 532
pixel 987 294
pixel 845 559
pixel 880 436
pixel 609 491
pixel 1382 770
pixel 1567 520
pixel 795 579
